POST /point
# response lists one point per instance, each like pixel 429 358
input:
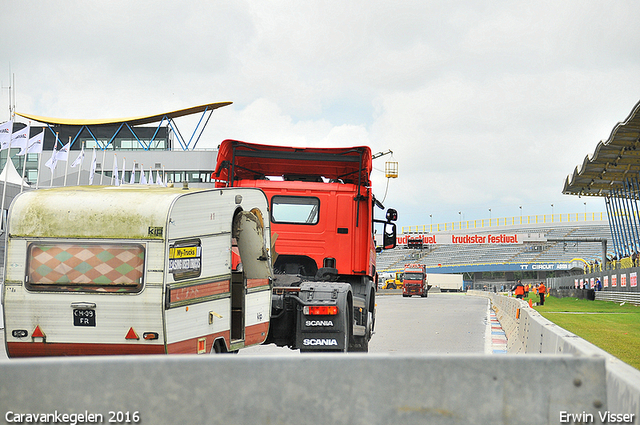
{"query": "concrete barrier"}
pixel 531 333
pixel 309 389
pixel 573 378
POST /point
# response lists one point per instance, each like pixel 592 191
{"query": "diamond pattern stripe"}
pixel 75 264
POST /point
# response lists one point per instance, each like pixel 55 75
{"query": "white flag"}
pixel 93 167
pixel 133 174
pixel 20 138
pixel 53 161
pixel 159 179
pixel 5 134
pixel 143 178
pixel 34 145
pixel 79 159
pixel 123 168
pixel 63 154
pixel 115 170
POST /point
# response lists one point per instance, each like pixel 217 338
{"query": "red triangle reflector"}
pixel 37 332
pixel 131 334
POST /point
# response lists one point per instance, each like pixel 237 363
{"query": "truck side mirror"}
pixel 392 215
pixel 389 237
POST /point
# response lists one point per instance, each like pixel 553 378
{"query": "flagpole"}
pixel 53 153
pixel 81 161
pixel 39 165
pixel 4 189
pixel 24 164
pixel 92 167
pixel 104 155
pixel 24 169
pixel 66 167
pixel 115 166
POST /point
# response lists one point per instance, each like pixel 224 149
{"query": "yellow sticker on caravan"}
pixel 184 252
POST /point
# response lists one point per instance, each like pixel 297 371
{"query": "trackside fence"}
pixel 529 333
pixel 618 285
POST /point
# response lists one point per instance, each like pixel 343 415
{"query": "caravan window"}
pixel 85 267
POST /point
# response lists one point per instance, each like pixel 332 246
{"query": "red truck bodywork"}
pixel 337 239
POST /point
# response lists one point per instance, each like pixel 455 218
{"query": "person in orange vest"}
pixel 519 291
pixel 542 290
pixel 526 290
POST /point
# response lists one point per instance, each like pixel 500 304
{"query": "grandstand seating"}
pixel 534 252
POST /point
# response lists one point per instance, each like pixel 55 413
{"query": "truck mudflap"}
pixel 324 321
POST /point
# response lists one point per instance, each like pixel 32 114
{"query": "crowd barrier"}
pixel 529 333
pixel 617 280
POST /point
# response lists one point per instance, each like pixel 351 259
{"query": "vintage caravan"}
pixel 136 270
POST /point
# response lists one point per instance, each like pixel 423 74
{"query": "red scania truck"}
pixel 321 210
pixel 415 280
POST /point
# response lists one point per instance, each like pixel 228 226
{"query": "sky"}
pixel 486 105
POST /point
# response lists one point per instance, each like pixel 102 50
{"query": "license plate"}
pixel 83 317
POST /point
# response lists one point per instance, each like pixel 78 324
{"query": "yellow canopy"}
pixel 132 121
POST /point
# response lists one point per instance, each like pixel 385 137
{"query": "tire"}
pixel 361 344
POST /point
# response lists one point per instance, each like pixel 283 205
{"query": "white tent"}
pixel 10 174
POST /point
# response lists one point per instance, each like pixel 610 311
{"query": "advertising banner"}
pixel 469 238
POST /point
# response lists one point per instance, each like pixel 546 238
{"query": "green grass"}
pixel 608 325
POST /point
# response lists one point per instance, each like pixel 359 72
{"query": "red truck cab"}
pixel 415 280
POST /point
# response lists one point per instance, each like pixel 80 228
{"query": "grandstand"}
pixel 507 262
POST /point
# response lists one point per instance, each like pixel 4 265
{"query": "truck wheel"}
pixel 348 326
pixel 424 294
pixel 361 343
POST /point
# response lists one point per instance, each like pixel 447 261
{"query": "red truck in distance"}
pixel 415 280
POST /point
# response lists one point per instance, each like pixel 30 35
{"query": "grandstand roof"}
pixel 131 121
pixel 612 162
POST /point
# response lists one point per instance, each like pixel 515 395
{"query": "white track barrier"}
pixel 531 333
pixel 575 378
pixel 309 389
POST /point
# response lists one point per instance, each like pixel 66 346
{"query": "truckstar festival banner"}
pixel 472 238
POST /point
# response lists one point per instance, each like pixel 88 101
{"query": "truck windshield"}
pixel 413 276
pixel 295 209
pixel 85 267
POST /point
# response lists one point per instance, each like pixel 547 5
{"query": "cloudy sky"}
pixel 485 104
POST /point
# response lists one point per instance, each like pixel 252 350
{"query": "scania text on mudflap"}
pixel 98 270
pixel 322 224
